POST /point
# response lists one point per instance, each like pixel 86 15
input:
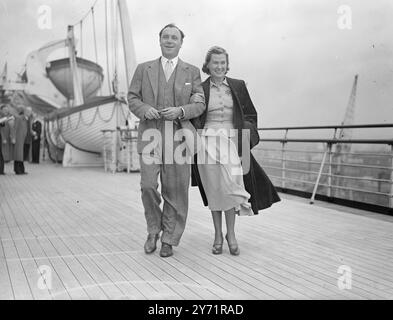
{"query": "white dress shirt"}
pixel 174 63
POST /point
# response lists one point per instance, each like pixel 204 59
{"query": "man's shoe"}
pixel 166 250
pixel 151 243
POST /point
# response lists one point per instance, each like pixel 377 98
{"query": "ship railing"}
pixel 322 168
pixel 125 159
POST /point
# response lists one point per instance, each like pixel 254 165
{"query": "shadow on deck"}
pixel 82 230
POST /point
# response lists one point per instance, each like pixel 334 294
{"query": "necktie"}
pixel 168 69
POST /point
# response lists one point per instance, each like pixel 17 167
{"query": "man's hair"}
pixel 214 50
pixel 172 25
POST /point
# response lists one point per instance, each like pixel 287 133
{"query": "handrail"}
pixel 332 163
pixel 332 175
pixel 321 152
pixel 359 126
pixel 334 186
pixel 333 141
pixel 341 173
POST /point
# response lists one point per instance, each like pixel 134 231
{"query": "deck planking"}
pixel 88 227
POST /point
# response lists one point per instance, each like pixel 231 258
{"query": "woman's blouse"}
pixel 220 109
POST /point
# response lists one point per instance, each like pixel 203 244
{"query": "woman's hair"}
pixel 214 50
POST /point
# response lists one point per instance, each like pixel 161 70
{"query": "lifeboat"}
pixel 90 74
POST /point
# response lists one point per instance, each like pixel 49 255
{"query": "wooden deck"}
pixel 85 229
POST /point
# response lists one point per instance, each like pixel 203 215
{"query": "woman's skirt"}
pixel 221 172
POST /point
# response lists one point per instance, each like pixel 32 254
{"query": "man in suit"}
pixel 29 135
pixel 7 121
pixel 3 120
pixel 18 137
pixel 1 152
pixel 164 94
pixel 36 141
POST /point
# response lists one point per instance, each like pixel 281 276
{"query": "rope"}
pixel 107 46
pixel 116 38
pixel 68 122
pixel 122 112
pixel 82 121
pixel 81 36
pixel 86 15
pixel 61 125
pixel 79 121
pixel 94 33
pixel 82 71
pixel 92 121
pixel 58 131
pixel 115 43
pixel 111 117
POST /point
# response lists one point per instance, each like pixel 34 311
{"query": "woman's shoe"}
pixel 233 248
pixel 217 247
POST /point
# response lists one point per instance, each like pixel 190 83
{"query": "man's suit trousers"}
pixel 175 180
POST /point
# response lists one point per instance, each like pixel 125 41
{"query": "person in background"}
pixel 36 142
pixel 5 118
pixel 29 135
pixel 6 133
pixel 1 156
pixel 18 137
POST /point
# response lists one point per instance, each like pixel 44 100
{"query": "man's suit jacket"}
pixel 143 94
pixel 37 128
pixel 6 139
pixel 19 132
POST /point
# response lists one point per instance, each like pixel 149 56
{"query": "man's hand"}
pixel 152 114
pixel 13 141
pixel 171 113
pixel 121 96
